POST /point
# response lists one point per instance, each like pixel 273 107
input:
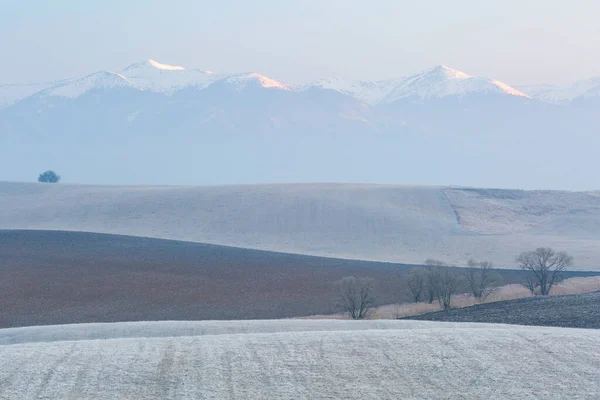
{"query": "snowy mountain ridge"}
pixel 564 94
pixel 437 82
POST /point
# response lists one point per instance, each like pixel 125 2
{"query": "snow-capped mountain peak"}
pixel 243 81
pixel 166 67
pixel 442 81
pixel 437 82
pixel 164 78
pixel 151 64
pixel 444 72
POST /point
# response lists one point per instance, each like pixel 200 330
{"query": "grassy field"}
pixel 299 360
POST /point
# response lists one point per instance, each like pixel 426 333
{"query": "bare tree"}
pixel 431 277
pixel 416 284
pixel 546 266
pixel 481 278
pixel 531 284
pixel 431 283
pixel 448 281
pixel 356 295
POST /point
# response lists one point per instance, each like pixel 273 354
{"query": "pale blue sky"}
pixel 516 41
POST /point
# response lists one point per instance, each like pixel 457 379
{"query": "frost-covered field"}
pixel 293 359
pixel 371 222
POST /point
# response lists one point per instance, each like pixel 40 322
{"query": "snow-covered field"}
pixel 372 222
pixel 294 359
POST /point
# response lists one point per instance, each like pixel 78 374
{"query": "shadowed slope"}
pixel 52 277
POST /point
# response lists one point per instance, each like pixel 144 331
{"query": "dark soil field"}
pixel 575 311
pixel 54 277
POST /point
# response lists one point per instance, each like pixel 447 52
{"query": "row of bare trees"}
pixel 439 281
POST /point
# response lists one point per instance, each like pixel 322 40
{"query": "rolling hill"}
pixel 299 360
pixel 54 277
pixel 406 224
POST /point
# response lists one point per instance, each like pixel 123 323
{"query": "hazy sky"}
pixel 516 41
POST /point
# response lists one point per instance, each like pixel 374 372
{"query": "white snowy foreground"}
pixel 299 359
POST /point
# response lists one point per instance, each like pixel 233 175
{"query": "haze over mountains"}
pixel 153 123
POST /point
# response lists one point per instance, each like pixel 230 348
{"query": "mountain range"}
pixel 156 123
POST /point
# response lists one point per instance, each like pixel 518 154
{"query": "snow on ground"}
pixel 301 360
pixel 156 329
pixel 371 222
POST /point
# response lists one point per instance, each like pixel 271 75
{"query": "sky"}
pixel 516 41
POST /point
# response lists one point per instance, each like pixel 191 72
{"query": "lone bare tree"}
pixel 356 295
pixel 448 282
pixel 416 284
pixel 431 277
pixel 481 278
pixel 546 267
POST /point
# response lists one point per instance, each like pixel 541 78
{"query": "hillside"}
pixel 53 277
pixel 575 311
pixel 406 224
pixel 299 360
pixel 71 277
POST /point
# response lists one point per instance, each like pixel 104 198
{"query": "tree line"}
pixel 438 281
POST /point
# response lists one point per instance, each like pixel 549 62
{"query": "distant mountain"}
pixel 588 89
pixel 157 123
pixel 10 94
pixel 152 76
pixel 436 83
pixel 441 82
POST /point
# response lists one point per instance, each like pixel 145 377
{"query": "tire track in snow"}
pixel 52 370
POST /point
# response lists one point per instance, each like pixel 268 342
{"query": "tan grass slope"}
pixel 372 222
